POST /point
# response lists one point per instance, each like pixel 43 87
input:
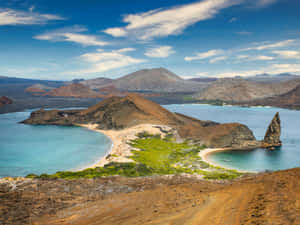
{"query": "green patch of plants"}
pixel 111 169
pixel 188 98
pixel 153 155
pixel 218 175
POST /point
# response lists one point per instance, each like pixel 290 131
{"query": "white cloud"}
pixel 285 68
pixel 15 17
pixel 262 57
pixel 102 61
pixel 160 52
pixel 31 8
pixel 242 58
pixel 165 22
pixel 288 54
pixel 233 19
pixel 264 3
pixel 72 34
pixel 217 59
pixel 279 44
pixel 243 32
pixel 204 55
pixel 116 32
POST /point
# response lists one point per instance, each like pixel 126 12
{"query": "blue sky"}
pixel 63 40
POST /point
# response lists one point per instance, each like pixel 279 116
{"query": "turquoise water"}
pixel 28 149
pixel 257 119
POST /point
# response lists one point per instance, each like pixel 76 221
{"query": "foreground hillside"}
pixel 271 198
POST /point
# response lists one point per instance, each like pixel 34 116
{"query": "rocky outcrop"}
pixel 5 101
pixel 132 110
pixel 272 136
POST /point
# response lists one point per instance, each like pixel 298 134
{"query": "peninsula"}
pixel 122 119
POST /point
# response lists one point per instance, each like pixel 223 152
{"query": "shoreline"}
pixel 204 154
pixel 120 149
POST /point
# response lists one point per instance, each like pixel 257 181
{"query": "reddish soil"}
pixel 5 101
pixel 73 90
pixel 35 90
pixel 271 198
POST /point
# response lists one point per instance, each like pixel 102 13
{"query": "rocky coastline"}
pixel 118 113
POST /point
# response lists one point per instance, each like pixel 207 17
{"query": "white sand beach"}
pixel 121 150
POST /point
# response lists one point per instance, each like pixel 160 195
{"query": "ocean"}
pixel 257 119
pixel 36 149
pixel 41 149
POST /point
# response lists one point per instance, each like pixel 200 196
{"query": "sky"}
pixel 64 40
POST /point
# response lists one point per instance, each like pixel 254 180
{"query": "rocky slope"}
pixel 263 199
pixel 76 90
pixel 240 90
pixel 5 101
pixel 122 112
pixel 38 88
pixel 290 100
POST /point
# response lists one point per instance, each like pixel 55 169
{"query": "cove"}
pixel 28 149
pixel 257 119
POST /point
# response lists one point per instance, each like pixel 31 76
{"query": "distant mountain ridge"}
pixel 239 90
pixel 158 83
pixel 38 88
pixel 148 80
pixel 97 82
pixel 73 90
pixel 267 78
pixel 290 99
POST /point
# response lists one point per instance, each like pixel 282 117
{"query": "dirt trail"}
pixel 272 198
pixel 264 199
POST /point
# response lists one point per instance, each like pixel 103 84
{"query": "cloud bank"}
pixel 16 17
pixel 102 61
pixel 72 34
pixel 160 52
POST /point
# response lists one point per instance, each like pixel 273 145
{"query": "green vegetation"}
pixel 215 102
pixel 190 98
pixel 153 155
